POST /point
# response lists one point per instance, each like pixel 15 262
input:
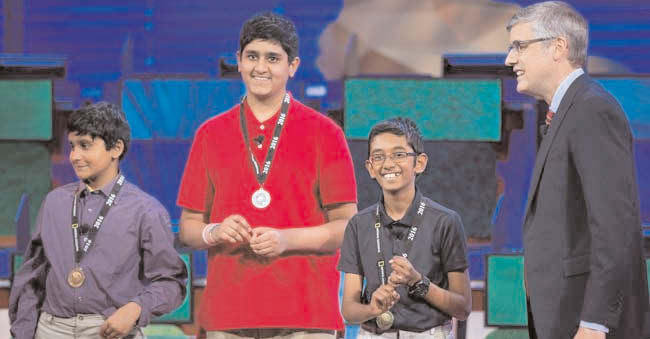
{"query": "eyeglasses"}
pixel 520 45
pixel 396 157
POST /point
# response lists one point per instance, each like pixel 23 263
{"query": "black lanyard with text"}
pixel 79 251
pixel 410 239
pixel 262 175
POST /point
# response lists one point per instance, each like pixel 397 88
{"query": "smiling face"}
pixel 533 65
pixel 394 177
pixel 265 69
pixel 91 161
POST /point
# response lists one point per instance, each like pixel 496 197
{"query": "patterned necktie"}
pixel 549 117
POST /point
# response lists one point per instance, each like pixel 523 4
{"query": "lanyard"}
pixel 262 175
pixel 79 251
pixel 410 239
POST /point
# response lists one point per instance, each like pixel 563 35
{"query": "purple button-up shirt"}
pixel 132 259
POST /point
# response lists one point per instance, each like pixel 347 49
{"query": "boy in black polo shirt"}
pixel 409 249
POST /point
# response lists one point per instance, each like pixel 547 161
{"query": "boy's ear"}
pixel 421 163
pixel 370 169
pixel 117 149
pixel 293 66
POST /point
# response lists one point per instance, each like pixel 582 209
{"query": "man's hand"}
pixel 587 333
pixel 268 242
pixel 403 272
pixel 121 322
pixel 234 229
pixel 383 299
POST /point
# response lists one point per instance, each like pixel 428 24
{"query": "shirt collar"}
pixel 252 121
pixel 564 86
pixel 408 218
pixel 83 189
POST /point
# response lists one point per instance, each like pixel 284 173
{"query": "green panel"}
pixel 506 296
pixel 24 168
pixel 183 313
pixel 26 109
pixel 444 109
pixel 17 262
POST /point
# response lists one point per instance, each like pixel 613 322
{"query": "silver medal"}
pixel 261 198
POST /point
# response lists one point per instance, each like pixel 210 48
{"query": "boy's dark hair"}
pixel 399 126
pixel 103 120
pixel 272 27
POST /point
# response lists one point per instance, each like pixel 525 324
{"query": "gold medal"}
pixel 385 320
pixel 76 277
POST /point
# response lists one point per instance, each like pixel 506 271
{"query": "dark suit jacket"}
pixel 582 230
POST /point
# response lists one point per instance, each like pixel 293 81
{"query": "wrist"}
pixel 208 234
pixel 416 278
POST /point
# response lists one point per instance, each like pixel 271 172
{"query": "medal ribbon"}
pixel 410 239
pixel 263 174
pixel 79 251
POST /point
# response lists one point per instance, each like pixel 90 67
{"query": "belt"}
pixel 377 331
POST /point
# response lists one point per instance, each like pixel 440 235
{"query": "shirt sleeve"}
pixel 195 183
pixel 162 266
pixel 350 259
pixel 28 286
pixel 454 247
pixel 337 183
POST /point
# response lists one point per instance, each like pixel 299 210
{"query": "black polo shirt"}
pixel 439 247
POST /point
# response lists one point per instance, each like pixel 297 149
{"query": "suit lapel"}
pixel 547 141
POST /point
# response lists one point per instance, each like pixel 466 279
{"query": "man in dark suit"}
pixel 584 267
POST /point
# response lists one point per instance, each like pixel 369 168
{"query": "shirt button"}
pixel 261 126
pixel 90 210
pixel 79 298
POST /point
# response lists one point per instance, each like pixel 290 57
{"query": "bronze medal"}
pixel 385 320
pixel 76 277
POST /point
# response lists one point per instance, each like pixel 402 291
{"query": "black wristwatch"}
pixel 420 288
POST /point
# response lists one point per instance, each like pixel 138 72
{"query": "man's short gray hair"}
pixel 557 19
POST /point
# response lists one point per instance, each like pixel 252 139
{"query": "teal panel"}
pixel 506 295
pixel 508 334
pixel 25 168
pixel 183 313
pixel 26 109
pixel 444 109
pixel 634 96
pixel 647 271
pixel 175 108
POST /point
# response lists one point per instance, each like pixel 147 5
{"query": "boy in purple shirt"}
pixel 101 262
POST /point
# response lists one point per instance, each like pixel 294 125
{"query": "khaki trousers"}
pixel 438 332
pixel 272 333
pixel 83 326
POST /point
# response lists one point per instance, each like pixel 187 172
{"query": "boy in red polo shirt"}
pixel 268 188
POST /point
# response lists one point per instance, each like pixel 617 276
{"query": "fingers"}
pixel 234 229
pixel 267 241
pixel 107 331
pixel 385 297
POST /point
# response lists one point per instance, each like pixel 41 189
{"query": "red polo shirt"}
pixel 312 168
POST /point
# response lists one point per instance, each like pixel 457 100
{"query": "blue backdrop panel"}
pixel 174 108
pixel 156 167
pixel 634 96
pixel 444 109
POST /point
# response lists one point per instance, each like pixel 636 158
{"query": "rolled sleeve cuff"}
pixel 594 326
pixel 145 312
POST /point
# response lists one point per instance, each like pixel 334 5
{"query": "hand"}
pixel 234 229
pixel 383 299
pixel 121 322
pixel 268 241
pixel 403 272
pixel 587 333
